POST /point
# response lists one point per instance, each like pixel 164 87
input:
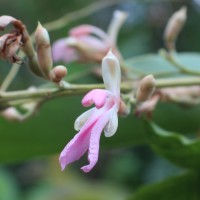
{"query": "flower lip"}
pixel 96 96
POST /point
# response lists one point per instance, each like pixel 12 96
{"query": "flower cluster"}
pixel 87 43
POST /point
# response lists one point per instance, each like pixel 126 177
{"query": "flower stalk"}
pixel 79 89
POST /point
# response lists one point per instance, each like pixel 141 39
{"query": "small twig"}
pixel 79 89
pixel 11 75
pixel 84 12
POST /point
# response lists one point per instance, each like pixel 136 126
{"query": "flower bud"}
pixel 124 109
pixel 58 73
pixel 174 26
pixel 43 50
pixel 12 114
pixel 146 88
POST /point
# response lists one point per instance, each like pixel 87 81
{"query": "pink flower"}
pixel 103 117
pixel 85 43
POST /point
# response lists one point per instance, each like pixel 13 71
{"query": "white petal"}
pixel 80 121
pixel 112 125
pixel 111 73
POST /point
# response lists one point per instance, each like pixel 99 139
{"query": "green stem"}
pixel 177 82
pixel 80 13
pixel 11 75
pixel 170 57
pixel 80 89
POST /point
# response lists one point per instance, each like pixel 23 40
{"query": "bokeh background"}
pixel 120 171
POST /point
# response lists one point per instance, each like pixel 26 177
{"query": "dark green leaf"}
pixel 52 128
pixel 175 147
pixel 154 63
pixel 182 187
pixel 8 186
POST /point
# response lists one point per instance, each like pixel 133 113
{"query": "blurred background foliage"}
pixel 121 169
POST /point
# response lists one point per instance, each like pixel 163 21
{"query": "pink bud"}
pixel 174 26
pixel 146 88
pixel 58 73
pixel 12 114
pixel 124 109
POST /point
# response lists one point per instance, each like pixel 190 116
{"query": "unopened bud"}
pixel 124 109
pixel 12 114
pixel 174 26
pixel 43 50
pixel 58 73
pixel 146 88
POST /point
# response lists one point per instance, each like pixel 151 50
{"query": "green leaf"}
pixel 182 187
pixel 154 63
pixel 49 131
pixel 177 148
pixel 150 63
pixel 8 186
pixel 185 120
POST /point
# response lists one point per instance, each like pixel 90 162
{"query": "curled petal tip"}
pixel 85 169
pixel 62 161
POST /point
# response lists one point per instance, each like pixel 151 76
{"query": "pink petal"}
pixel 87 30
pixel 96 96
pixel 62 52
pixel 75 148
pixel 94 43
pixel 5 20
pixel 94 142
pixel 79 144
pixel 148 106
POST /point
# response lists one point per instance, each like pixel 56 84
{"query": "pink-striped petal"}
pixel 96 96
pixel 95 44
pixel 5 20
pixel 94 143
pixel 62 52
pixel 87 30
pixel 77 147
